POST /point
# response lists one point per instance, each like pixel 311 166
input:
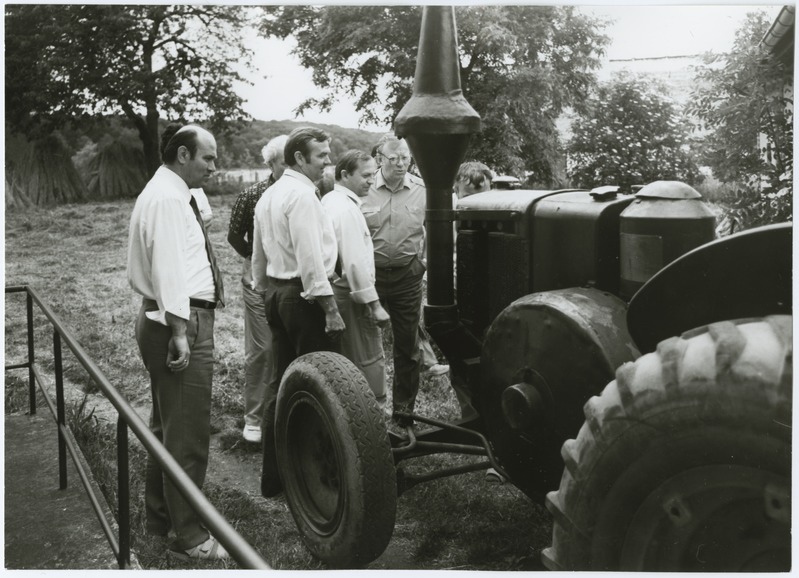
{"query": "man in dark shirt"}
pixel 259 368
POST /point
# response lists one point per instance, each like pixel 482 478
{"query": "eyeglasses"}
pixel 397 160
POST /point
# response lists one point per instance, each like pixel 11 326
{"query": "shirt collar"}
pixel 174 179
pixel 381 182
pixel 358 200
pixel 300 177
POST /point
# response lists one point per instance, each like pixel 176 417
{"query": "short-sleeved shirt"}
pixel 396 220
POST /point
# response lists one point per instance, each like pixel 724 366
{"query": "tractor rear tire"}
pixel 684 461
pixel 335 460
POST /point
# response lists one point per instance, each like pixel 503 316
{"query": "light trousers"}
pixel 362 342
pixel 260 369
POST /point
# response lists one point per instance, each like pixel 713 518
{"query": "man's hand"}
pixel 177 359
pixel 178 354
pixel 376 314
pixel 334 324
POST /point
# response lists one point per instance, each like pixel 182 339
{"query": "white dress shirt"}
pixel 293 237
pixel 167 259
pixel 355 249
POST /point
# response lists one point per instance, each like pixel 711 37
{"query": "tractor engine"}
pixel 542 281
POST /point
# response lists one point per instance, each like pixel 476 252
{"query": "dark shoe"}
pixel 271 486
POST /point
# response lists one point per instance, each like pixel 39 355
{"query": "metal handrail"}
pixel 244 554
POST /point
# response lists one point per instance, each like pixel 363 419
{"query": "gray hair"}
pixel 274 148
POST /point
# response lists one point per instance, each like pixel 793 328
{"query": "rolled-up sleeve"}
pixel 355 257
pixel 305 218
pixel 167 246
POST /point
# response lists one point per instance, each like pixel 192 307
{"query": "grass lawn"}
pixel 75 257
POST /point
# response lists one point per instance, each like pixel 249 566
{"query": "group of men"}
pixel 319 274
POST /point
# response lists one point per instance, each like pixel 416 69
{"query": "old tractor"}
pixel 629 369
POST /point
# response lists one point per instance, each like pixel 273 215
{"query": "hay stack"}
pixel 118 170
pixel 43 175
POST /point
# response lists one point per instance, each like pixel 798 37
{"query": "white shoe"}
pixel 211 549
pixel 437 369
pixel 252 433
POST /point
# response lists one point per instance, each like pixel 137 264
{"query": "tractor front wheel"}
pixel 335 460
pixel 684 461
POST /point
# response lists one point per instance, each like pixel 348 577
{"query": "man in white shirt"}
pixel 294 257
pixel 171 265
pixel 355 291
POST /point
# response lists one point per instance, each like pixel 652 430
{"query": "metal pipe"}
pixel 31 377
pixel 60 410
pixel 123 493
pixel 437 122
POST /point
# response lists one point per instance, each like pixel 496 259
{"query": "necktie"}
pixel 220 290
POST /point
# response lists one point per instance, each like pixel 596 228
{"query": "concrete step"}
pixel 45 527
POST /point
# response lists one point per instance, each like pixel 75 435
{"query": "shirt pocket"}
pixel 415 214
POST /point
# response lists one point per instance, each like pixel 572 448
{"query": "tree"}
pixel 630 134
pixel 520 67
pixel 68 61
pixel 742 97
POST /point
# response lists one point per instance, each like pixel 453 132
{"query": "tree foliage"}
pixel 745 101
pixel 630 133
pixel 520 66
pixel 145 61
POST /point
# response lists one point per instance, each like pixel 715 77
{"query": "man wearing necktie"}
pixel 172 266
pixel 293 261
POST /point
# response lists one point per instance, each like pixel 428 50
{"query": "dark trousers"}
pixel 180 419
pixel 298 327
pixel 400 292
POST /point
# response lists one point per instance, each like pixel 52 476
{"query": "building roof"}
pixel 780 36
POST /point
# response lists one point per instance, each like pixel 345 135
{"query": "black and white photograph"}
pixel 470 287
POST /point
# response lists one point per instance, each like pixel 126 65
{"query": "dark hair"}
pixel 298 142
pixel 173 138
pixel 475 173
pixel 349 161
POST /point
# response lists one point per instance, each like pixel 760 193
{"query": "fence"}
pixel 244 554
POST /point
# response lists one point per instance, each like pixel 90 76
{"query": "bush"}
pixel 631 134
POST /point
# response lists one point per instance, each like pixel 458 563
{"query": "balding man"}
pixel 172 266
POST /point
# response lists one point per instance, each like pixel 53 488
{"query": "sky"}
pixel 637 31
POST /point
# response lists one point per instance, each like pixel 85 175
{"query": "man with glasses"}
pixel 394 210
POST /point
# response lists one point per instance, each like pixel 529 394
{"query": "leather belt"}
pixel 202 304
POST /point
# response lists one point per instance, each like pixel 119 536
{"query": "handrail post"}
pixel 123 493
pixel 60 412
pixel 31 374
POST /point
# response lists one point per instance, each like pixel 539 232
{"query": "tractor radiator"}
pixel 492 271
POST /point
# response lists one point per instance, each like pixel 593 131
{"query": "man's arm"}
pixel 237 229
pixel 258 266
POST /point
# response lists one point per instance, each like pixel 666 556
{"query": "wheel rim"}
pixel 722 516
pixel 315 481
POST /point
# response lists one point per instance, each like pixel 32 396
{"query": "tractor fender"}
pixel 745 275
pixel 543 357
